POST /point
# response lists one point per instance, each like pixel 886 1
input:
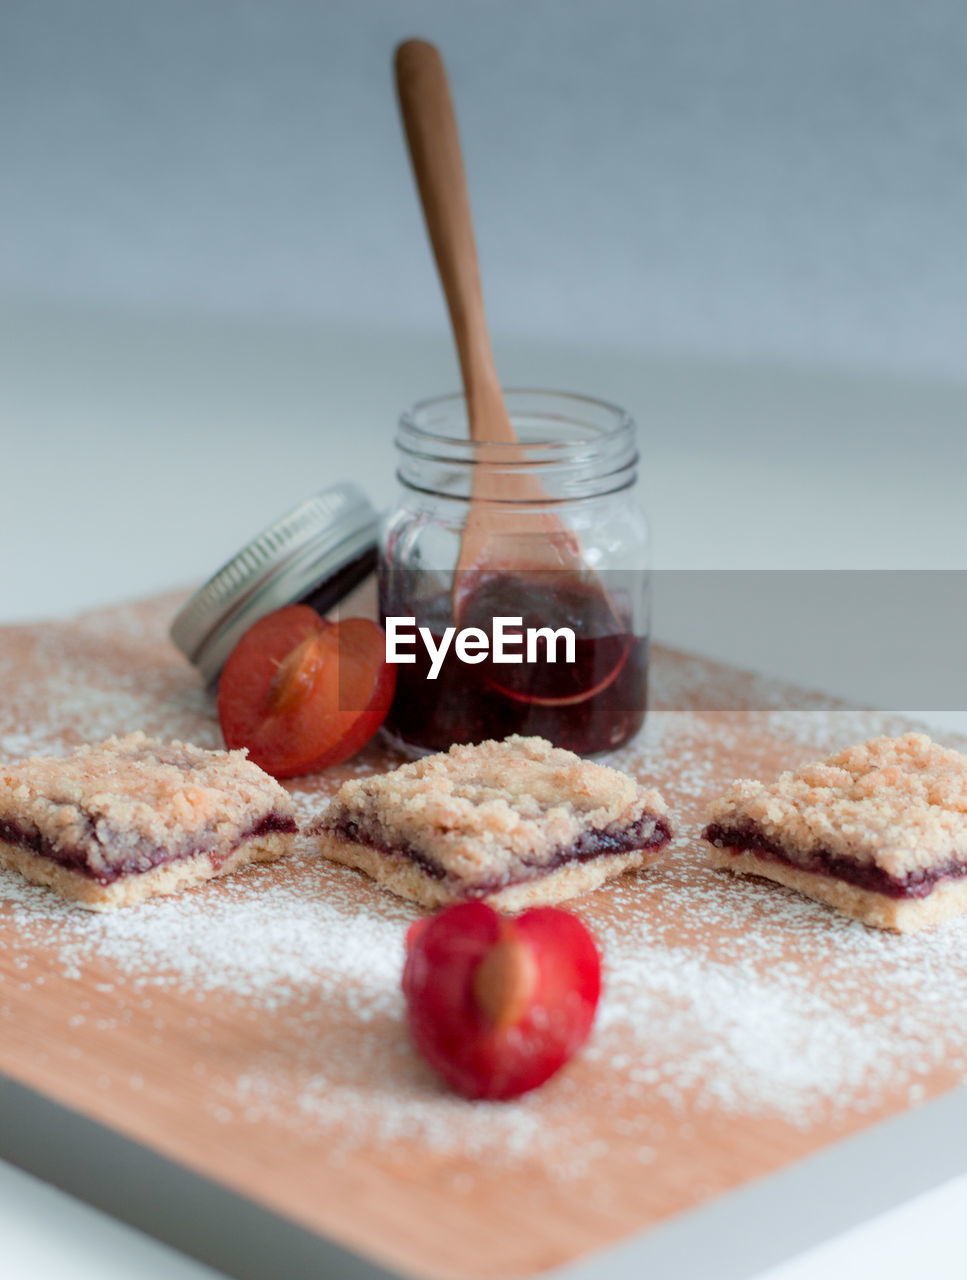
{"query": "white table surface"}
pixel 140 451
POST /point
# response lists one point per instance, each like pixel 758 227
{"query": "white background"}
pixel 740 177
pixel 741 218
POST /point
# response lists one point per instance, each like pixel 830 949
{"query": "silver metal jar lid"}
pixel 331 537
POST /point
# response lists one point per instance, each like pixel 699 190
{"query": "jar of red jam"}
pixel 559 544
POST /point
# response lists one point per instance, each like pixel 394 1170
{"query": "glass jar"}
pixel 553 540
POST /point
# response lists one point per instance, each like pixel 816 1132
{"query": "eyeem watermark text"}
pixel 509 641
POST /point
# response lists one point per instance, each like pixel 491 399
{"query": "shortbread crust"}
pixel 113 824
pixel 515 823
pixel 878 831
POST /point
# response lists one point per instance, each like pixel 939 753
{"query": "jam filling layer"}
pixel 746 838
pixel 144 858
pixel 589 845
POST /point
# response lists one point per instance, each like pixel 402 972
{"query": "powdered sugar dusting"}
pixel 723 996
pixel 791 1010
pixel 262 938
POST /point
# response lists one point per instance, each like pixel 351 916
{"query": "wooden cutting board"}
pixel 252 1029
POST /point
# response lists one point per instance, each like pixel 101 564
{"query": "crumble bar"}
pixel 517 823
pixel 113 824
pixel 878 831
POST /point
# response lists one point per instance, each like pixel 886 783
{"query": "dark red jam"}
pixel 822 862
pixel 593 704
pixel 75 858
pixel 589 845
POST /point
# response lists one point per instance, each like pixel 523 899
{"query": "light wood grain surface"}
pixel 166 1057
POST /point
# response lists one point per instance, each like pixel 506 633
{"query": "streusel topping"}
pixel 109 801
pixel 478 809
pixel 899 803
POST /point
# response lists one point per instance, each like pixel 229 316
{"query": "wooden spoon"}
pixel 501 534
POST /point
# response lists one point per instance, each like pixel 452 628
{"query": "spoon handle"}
pixel 434 144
